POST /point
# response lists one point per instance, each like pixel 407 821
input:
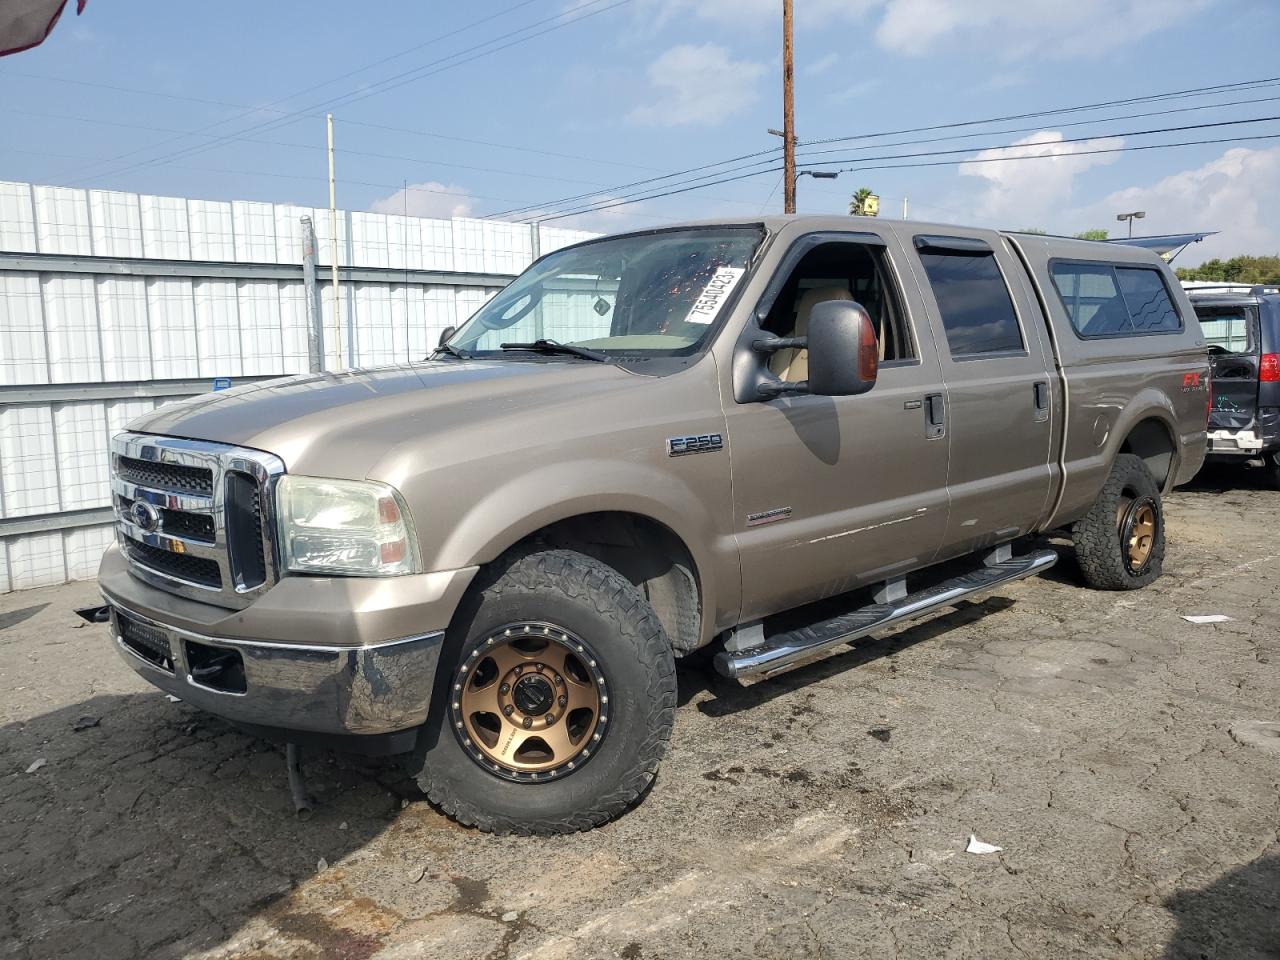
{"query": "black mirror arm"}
pixel 771 390
pixel 774 344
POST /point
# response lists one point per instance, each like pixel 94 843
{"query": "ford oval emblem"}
pixel 144 516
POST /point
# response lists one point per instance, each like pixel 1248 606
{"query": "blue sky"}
pixel 645 87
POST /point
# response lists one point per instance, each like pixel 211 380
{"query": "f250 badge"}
pixel 703 443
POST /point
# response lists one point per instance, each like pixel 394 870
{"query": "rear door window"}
pixel 1105 300
pixel 973 300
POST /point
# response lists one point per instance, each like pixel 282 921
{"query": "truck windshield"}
pixel 650 295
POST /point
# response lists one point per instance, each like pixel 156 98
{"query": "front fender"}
pixel 510 511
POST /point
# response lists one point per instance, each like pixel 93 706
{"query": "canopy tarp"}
pixel 26 23
pixel 1168 246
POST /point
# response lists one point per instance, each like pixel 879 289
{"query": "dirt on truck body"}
pixel 759 437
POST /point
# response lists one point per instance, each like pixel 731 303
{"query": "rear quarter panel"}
pixel 1113 384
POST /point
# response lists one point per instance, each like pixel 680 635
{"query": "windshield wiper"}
pixel 553 346
pixel 452 351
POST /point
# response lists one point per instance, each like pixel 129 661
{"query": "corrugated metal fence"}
pixel 111 303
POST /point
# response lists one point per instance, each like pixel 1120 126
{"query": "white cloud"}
pixel 1011 29
pixel 697 84
pixel 1237 194
pixel 1023 193
pixel 1005 29
pixel 430 199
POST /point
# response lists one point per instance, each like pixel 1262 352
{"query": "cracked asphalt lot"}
pixel 1127 762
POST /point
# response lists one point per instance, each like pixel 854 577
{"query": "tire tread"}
pixel 579 577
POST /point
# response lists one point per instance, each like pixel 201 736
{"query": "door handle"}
pixel 935 416
pixel 1040 391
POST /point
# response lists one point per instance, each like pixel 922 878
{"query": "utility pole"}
pixel 904 208
pixel 333 252
pixel 788 112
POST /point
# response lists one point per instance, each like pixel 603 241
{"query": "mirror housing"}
pixel 844 357
pixel 445 334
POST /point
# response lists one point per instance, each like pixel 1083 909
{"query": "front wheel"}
pixel 554 699
pixel 1120 542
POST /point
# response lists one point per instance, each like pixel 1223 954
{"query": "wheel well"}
pixel 648 554
pixel 1151 441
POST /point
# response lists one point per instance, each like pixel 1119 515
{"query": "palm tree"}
pixel 858 202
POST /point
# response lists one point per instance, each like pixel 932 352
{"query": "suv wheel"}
pixel 554 699
pixel 1271 463
pixel 1120 542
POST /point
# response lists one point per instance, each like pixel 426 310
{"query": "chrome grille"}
pixel 195 518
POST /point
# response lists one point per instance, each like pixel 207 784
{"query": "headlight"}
pixel 354 528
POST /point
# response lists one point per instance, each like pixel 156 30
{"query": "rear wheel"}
pixel 554 702
pixel 1120 542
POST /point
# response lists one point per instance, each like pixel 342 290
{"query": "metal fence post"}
pixel 315 323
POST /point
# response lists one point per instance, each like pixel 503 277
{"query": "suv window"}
pixel 977 311
pixel 1106 300
pixel 1226 329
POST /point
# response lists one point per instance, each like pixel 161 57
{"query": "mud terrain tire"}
pixel 631 657
pixel 1109 554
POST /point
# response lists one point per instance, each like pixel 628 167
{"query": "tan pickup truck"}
pixel 768 436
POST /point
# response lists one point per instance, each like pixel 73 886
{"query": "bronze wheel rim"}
pixel 1139 522
pixel 530 702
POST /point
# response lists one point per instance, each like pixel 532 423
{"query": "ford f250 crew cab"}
pixel 769 436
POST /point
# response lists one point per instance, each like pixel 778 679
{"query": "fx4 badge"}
pixel 703 443
pixel 1192 382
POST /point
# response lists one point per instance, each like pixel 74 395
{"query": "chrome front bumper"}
pixel 379 688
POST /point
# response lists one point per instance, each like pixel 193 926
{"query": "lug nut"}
pixel 519 670
pixel 550 719
pixel 528 722
pixel 508 710
pixel 563 701
pixel 559 680
pixel 504 689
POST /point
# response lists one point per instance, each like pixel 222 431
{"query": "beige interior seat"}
pixel 793 364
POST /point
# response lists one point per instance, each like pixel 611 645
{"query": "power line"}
pixel 937 163
pixel 1038 127
pixel 249 110
pixel 637 183
pixel 406 77
pixel 657 196
pixel 1173 94
pixel 313 146
pixel 1065 140
pixel 1128 148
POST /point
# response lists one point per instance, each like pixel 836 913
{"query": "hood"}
pixel 341 424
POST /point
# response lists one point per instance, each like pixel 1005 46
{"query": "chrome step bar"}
pixel 783 650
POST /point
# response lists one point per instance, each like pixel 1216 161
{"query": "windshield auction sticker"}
pixel 717 291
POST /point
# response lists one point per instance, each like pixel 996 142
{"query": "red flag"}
pixel 26 23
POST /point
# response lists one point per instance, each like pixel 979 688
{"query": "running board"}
pixel 782 650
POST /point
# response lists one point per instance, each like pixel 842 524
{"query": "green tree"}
pixel 1092 235
pixel 1242 269
pixel 1036 230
